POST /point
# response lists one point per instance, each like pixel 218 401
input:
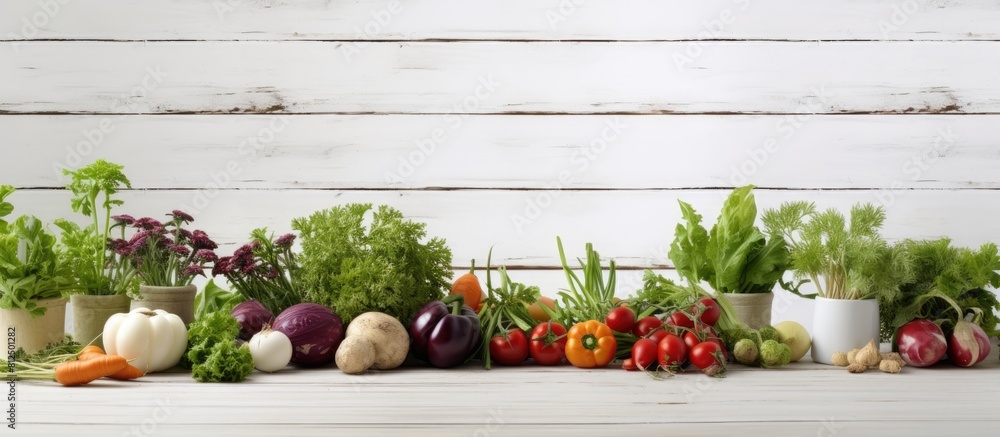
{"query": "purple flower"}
pixel 249 269
pixel 163 242
pixel 183 251
pixel 200 240
pixel 193 270
pixel 148 224
pixel 272 273
pixel 119 246
pixel 123 219
pixel 181 215
pixel 243 256
pixel 206 255
pixel 223 266
pixel 285 241
pixel 185 234
pixel 138 240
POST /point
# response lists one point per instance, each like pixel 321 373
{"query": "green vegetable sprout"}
pixel 844 259
pixel 98 271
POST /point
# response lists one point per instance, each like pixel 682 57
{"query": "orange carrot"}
pixel 83 372
pixel 128 373
pixel 90 352
pixel 468 286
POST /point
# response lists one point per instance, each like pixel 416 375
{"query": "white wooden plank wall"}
pixel 511 122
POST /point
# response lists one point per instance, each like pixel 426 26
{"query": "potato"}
pixel 389 338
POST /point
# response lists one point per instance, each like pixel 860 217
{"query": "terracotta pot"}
pixel 34 333
pixel 753 309
pixel 840 325
pixel 174 300
pixel 90 313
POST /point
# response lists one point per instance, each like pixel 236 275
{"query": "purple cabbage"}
pixel 252 316
pixel 315 331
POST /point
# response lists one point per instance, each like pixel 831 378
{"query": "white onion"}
pixel 271 350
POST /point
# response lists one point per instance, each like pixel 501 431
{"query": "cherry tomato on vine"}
pixel 621 319
pixel 646 325
pixel 644 353
pixel 707 356
pixel 710 314
pixel 678 318
pixel 671 352
pixel 658 335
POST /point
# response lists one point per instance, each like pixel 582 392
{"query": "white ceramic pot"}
pixel 34 333
pixel 840 325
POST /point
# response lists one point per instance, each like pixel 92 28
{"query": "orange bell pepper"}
pixel 590 344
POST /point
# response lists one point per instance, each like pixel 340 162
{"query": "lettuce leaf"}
pixel 735 257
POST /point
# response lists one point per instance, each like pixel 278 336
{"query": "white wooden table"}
pixel 803 399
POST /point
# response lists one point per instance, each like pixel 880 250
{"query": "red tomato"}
pixel 710 315
pixel 629 365
pixel 621 319
pixel 658 335
pixel 646 325
pixel 510 349
pixel 691 340
pixel 644 353
pixel 671 352
pixel 548 343
pixel 678 318
pixel 707 356
pixel 725 352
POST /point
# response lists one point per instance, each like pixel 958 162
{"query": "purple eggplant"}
pixel 445 333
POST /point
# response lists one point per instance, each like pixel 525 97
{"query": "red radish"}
pixel 968 344
pixel 629 365
pixel 921 343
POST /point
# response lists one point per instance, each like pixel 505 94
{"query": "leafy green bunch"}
pixel 949 284
pixel 97 269
pixel 845 259
pixel 735 256
pixel 212 353
pixel 385 266
pixel 6 208
pixel 31 269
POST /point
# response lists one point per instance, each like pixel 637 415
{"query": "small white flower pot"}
pixel 840 325
pixel 34 333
